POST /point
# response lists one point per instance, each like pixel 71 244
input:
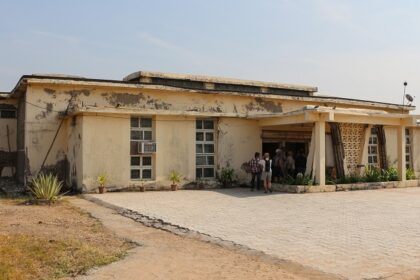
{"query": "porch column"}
pixel 319 159
pixel 401 151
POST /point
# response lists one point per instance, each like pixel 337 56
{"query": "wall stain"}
pixel 51 92
pixel 264 105
pixel 75 93
pixel 124 99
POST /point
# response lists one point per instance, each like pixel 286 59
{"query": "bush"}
pixel 227 176
pixel 372 174
pixel 300 180
pixel 410 174
pixel 46 187
pixel 391 174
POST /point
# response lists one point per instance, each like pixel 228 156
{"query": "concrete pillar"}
pixel 319 159
pixel 401 152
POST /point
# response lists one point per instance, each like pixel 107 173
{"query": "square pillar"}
pixel 401 152
pixel 319 158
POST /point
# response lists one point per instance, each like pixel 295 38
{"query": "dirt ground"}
pixel 45 242
pixel 164 255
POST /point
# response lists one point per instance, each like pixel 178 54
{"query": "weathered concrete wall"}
pixel 416 150
pixel 175 142
pixel 106 149
pixel 8 141
pixel 391 145
pixel 238 140
pixel 75 151
pixel 42 122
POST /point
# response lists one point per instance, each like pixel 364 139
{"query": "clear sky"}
pixel 359 49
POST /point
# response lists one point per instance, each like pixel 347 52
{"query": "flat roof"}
pixel 124 83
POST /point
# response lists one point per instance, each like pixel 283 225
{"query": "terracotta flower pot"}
pixel 142 188
pixel 174 187
pixel 101 189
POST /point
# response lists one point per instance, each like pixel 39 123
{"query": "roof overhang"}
pixel 311 115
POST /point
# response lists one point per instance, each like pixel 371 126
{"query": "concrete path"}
pixel 358 235
pixel 163 255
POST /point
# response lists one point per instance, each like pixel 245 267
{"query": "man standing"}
pixel 256 169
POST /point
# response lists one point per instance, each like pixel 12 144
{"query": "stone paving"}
pixel 357 235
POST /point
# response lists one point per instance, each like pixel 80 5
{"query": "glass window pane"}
pixel 370 140
pixel 407 158
pixel 146 174
pixel 373 150
pixel 375 140
pixel 145 122
pixel 208 172
pixel 199 136
pixel 209 148
pixel 147 135
pixel 199 148
pixel 209 136
pixel 407 150
pixel 208 125
pixel 135 161
pixel 200 160
pixel 210 160
pixel 199 124
pixel 134 122
pixel 146 161
pixel 136 135
pixel 198 172
pixel 135 174
pixel 134 148
pixel 375 159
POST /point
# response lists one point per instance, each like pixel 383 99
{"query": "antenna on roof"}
pixel 404 96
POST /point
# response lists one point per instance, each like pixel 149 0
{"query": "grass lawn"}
pixel 48 242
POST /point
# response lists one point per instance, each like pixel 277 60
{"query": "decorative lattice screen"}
pixel 353 136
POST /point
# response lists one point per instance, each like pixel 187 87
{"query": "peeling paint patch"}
pixel 75 93
pixel 264 105
pixel 125 99
pixel 51 92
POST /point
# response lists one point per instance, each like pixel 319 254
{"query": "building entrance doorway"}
pixel 294 147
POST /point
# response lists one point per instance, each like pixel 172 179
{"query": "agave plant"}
pixel 46 187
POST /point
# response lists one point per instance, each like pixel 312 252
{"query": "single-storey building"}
pixel 138 129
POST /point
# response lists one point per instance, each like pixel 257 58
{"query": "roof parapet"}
pixel 218 84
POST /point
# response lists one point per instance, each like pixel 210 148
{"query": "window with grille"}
pixel 373 159
pixel 408 149
pixel 141 159
pixel 205 149
pixel 8 114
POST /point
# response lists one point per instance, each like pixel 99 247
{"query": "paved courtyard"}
pixel 358 235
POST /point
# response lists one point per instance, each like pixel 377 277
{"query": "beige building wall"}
pixel 8 140
pixel 42 122
pixel 75 150
pixel 391 145
pixel 415 147
pixel 175 142
pixel 238 140
pixel 106 150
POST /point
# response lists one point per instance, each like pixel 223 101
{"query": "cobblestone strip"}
pixel 182 231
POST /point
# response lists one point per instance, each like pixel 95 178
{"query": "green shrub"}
pixel 227 176
pixel 372 174
pixel 46 187
pixel 391 174
pixel 300 179
pixel 174 177
pixel 410 174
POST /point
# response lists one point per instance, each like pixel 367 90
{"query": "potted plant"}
pixel 142 187
pixel 101 179
pixel 175 178
pixel 227 176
